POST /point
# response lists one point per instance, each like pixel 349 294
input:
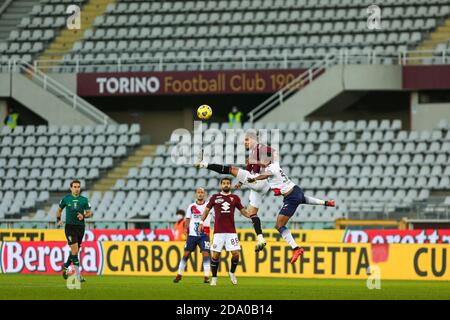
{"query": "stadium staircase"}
pixel 121 171
pixel 327 83
pixel 64 42
pixel 11 14
pixel 440 35
pixel 47 97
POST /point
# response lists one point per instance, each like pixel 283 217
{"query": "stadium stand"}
pixel 355 162
pixel 35 161
pixel 35 30
pixel 373 169
pixel 266 29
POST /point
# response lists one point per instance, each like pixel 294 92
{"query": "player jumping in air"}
pixel 258 189
pixel 77 209
pixel 195 237
pixel 224 204
pixel 293 196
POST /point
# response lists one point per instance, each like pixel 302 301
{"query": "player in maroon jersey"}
pixel 257 189
pixel 224 204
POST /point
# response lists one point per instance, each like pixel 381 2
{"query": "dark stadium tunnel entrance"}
pixel 174 111
pixel 26 116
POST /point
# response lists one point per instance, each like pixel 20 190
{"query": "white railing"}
pixel 343 58
pixel 57 89
pixel 244 62
pixel 4 6
pixel 199 63
pixel 291 88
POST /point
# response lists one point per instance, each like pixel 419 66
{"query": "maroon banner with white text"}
pixel 90 235
pixel 129 235
pixel 182 83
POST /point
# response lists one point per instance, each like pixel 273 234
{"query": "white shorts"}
pixel 258 188
pixel 230 240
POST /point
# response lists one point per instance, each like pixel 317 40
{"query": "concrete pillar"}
pixel 426 116
pixel 3 112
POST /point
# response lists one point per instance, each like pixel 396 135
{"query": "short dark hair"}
pixel 181 211
pixel 225 179
pixel 75 181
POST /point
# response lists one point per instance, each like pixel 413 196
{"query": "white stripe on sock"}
pixel 314 201
pixel 287 236
pixel 206 269
pixel 181 266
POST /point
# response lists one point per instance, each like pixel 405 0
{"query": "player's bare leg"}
pixel 206 266
pixel 282 220
pixel 234 263
pixel 181 266
pixel 214 266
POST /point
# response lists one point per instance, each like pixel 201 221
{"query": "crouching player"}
pixel 224 204
pixel 195 236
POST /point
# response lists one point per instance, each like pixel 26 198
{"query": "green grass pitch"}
pixel 15 286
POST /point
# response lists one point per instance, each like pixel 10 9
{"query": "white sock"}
pixel 287 236
pixel 77 271
pixel 182 265
pixel 206 267
pixel 260 238
pixel 314 201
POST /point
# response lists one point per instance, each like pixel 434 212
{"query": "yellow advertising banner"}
pixel 329 236
pixel 340 261
pixel 32 235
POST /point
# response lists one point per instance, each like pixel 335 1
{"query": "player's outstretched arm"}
pixel 204 216
pixel 263 176
pixel 187 222
pixel 58 217
pixel 245 213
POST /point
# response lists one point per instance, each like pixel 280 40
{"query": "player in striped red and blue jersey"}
pixel 194 236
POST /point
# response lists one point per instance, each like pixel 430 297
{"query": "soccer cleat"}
pixel 233 278
pixel 81 279
pixel 177 278
pixel 330 203
pixel 65 273
pixel 201 164
pixel 213 281
pixel 297 253
pixel 260 245
pixel 206 280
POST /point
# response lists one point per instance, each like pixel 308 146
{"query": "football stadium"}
pixel 225 149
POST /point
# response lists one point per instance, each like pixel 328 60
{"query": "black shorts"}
pixel 74 234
